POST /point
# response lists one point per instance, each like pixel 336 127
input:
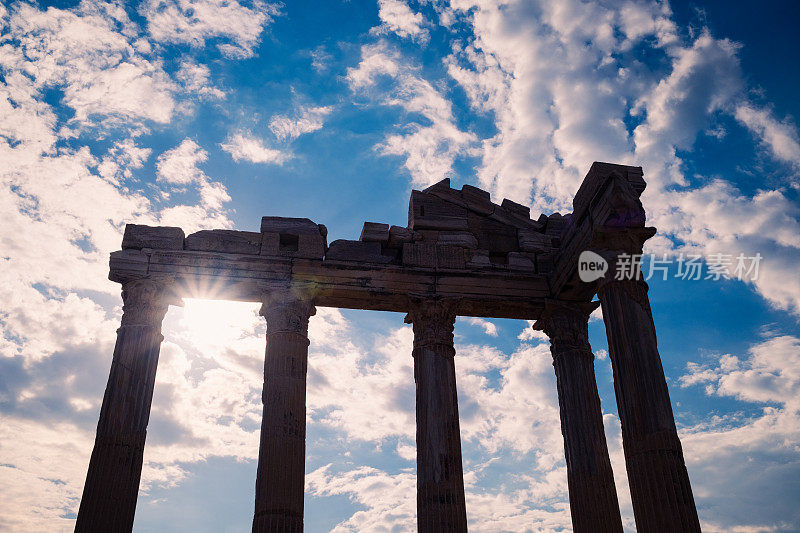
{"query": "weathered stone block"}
pixel 477 200
pixel 516 209
pixel 428 211
pixel 226 241
pixel 419 254
pixel 450 257
pixel 534 241
pixel 138 236
pixel 398 236
pixel 375 232
pixel 519 261
pixel 356 251
pixel 544 263
pixel 440 223
pixel 293 237
pixel 294 226
pixel 463 239
pixel 428 255
pixel 305 245
pixel 555 224
pixel 441 185
pixel 479 259
pixel 427 235
pixel 126 263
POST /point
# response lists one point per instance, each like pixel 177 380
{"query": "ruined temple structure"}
pixel 460 254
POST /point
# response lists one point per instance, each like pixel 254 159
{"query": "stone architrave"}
pixel 441 505
pixel 592 494
pixel 112 481
pixel 280 477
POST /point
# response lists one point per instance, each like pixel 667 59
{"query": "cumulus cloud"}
pixel 307 119
pixel 396 17
pixel 178 167
pixel 245 147
pixel 196 79
pixel 779 137
pixel 563 98
pixel 429 150
pixel 488 327
pixel 101 68
pixel 235 26
pixel 60 311
pixel 768 375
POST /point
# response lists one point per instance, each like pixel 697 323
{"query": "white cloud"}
pixel 768 375
pixel 780 137
pixel 488 327
pixel 195 79
pixel 245 147
pixel 386 498
pixel 58 323
pixel 705 79
pixel 397 17
pixel 99 66
pixel 307 119
pixel 563 93
pixel 349 384
pixel 429 150
pixel 179 165
pixel 238 25
pixel 320 59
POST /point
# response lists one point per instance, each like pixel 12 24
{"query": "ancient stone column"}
pixel 592 493
pixel 112 482
pixel 282 452
pixel 440 478
pixel 660 489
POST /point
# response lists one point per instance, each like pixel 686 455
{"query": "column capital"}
pixel 636 289
pixel 433 319
pixel 287 310
pixel 146 300
pixel 610 242
pixel 566 323
pixel 615 245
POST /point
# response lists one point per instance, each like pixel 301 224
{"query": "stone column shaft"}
pixel 660 489
pixel 112 481
pixel 281 456
pixel 441 506
pixel 592 492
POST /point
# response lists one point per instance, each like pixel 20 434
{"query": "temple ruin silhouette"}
pixel 460 255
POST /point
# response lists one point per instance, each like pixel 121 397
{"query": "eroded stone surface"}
pixel 225 241
pixel 139 236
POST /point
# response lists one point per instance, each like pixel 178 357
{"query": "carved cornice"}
pixel 433 320
pixel 287 310
pixel 145 301
pixel 567 326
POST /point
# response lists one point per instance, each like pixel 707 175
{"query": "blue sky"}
pixel 207 115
